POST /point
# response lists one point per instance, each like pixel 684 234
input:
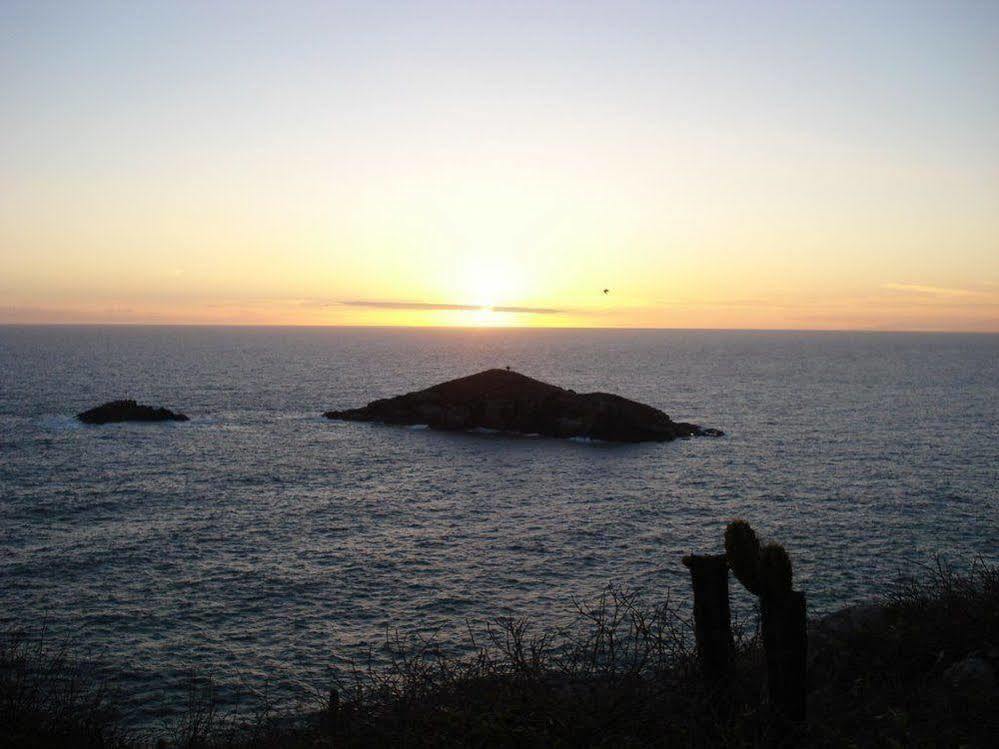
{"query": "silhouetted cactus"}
pixel 775 570
pixel 762 571
pixel 743 551
pixel 766 572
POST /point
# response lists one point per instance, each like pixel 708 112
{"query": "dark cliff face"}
pixel 127 410
pixel 512 402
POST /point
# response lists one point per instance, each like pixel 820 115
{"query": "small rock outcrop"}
pixel 851 621
pixel 127 410
pixel 507 401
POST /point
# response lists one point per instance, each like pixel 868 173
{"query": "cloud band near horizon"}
pixel 375 304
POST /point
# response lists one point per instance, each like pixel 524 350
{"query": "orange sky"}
pixel 502 164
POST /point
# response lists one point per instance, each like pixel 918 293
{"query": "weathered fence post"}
pixel 712 618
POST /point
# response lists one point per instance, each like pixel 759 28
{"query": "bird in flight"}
pixel 606 291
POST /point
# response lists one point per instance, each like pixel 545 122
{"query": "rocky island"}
pixel 127 410
pixel 508 401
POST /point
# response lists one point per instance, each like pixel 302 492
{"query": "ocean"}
pixel 269 547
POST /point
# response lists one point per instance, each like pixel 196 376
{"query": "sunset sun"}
pixel 489 283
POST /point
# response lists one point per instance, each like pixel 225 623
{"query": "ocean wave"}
pixel 58 422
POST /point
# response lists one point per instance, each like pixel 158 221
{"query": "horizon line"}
pixel 488 327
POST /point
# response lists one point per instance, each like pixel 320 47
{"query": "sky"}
pixel 711 165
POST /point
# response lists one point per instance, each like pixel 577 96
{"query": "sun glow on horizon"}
pixel 488 282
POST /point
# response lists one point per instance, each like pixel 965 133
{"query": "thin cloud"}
pixel 913 288
pixel 373 304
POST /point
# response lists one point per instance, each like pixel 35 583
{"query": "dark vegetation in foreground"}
pixel 918 669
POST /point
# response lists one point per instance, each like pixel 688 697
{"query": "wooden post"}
pixel 785 640
pixel 712 617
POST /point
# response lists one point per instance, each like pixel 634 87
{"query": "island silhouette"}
pixel 127 410
pixel 507 401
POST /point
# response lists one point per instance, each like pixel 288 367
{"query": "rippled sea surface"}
pixel 267 545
